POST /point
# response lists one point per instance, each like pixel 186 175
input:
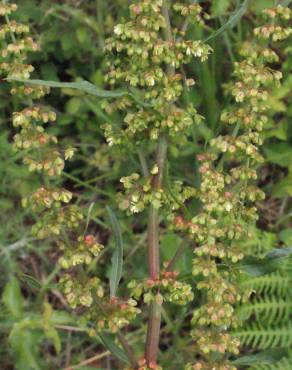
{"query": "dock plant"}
pixel 146 60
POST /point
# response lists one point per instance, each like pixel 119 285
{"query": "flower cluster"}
pixel 114 314
pixel 167 288
pixel 228 194
pixel 139 193
pixel 52 222
pixel 83 253
pixel 147 57
pixel 194 11
pixel 139 55
pixel 47 198
pixel 79 293
pixel 274 31
pixel 56 217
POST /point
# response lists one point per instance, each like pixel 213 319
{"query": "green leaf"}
pixel 286 236
pixel 84 86
pixel 88 216
pixel 117 259
pixel 284 187
pixel 90 89
pixel 232 21
pixel 113 348
pixel 24 342
pixel 279 253
pixel 170 243
pixel 30 280
pixel 266 357
pixel 12 297
pixel 219 7
pixel 270 263
pixel 279 153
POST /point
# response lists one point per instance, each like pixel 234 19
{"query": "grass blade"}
pixel 117 259
pixel 89 88
pixel 83 86
pixel 232 21
pixel 113 348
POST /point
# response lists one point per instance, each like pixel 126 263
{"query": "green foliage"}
pixel 267 316
pixel 38 335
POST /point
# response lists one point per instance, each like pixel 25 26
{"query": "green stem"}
pixel 143 163
pixel 153 226
pixel 154 322
pixel 100 21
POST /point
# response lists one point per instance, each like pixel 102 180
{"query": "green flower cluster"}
pixel 81 293
pixel 113 314
pixel 167 288
pixel 274 31
pixel 39 148
pixel 138 55
pixel 193 11
pixel 56 216
pixel 228 194
pixel 82 253
pixel 147 56
pixel 139 193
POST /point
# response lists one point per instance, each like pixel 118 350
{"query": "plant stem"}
pixel 154 322
pixel 153 225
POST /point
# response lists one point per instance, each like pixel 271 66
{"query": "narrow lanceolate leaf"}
pixel 30 280
pixel 90 89
pixel 88 216
pixel 232 21
pixel 83 86
pixel 12 297
pixel 113 348
pixel 117 259
pixel 265 357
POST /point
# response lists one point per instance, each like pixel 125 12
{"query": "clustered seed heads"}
pixel 273 31
pixel 167 288
pixel 115 314
pixel 79 293
pixel 139 193
pixel 56 217
pixel 228 194
pixel 139 57
pixel 139 54
pixel 82 253
pixel 193 11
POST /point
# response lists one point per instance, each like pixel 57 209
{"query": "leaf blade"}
pixel 117 259
pixel 113 348
pixel 83 86
pixel 232 21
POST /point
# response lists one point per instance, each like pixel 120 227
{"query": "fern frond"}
pixel 268 310
pixel 272 284
pixel 262 337
pixel 284 364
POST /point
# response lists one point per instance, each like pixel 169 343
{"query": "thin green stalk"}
pixel 154 322
pixel 100 21
pixel 143 162
pixel 153 226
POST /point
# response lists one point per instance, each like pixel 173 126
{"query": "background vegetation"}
pixel 37 330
